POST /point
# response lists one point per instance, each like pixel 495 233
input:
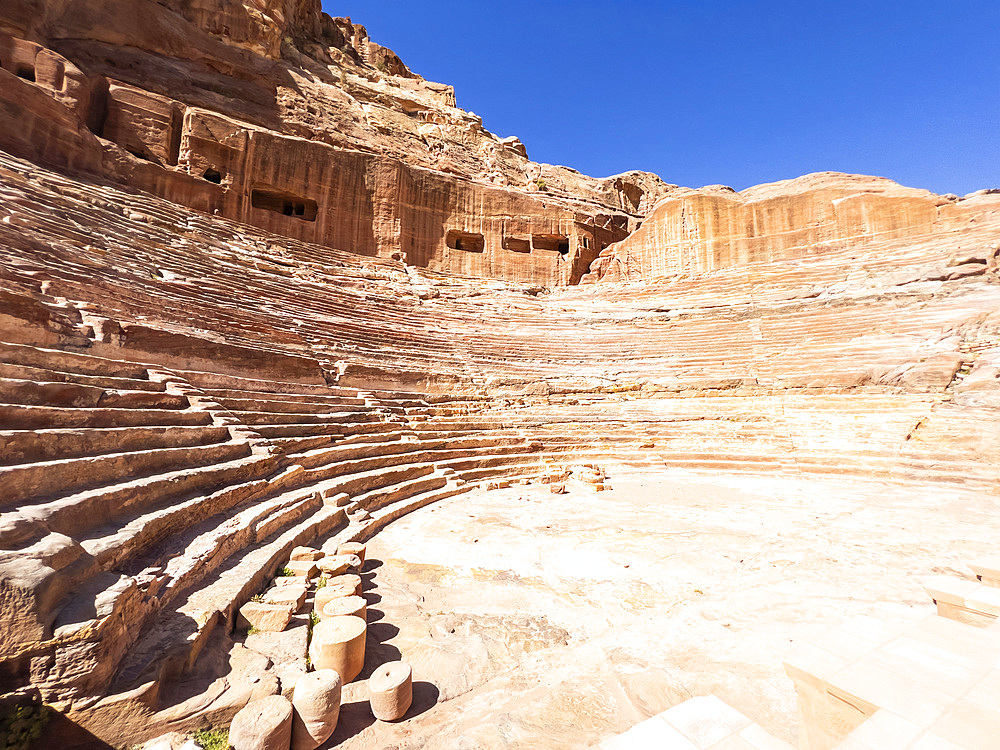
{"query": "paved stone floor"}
pixel 535 620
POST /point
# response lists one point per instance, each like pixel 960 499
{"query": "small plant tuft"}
pixel 322 583
pixel 253 630
pixel 541 184
pixel 213 739
pixel 257 598
pixel 284 572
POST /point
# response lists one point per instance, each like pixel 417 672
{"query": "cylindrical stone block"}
pixel 329 593
pixel 264 724
pixel 353 548
pixel 338 643
pixel 390 690
pixel 349 579
pixel 348 605
pixel 316 701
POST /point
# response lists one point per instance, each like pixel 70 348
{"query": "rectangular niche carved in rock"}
pixel 516 245
pixel 555 242
pixel 469 241
pixel 284 203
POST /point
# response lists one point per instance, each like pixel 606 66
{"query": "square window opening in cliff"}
pixel 517 245
pixel 27 72
pixel 284 204
pixel 213 175
pixel 471 242
pixel 554 242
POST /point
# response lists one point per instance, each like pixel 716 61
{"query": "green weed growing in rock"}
pixel 212 739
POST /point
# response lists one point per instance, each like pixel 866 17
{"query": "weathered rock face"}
pixel 274 114
pixel 693 231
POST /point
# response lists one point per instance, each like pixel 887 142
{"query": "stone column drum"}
pixel 264 724
pixel 348 605
pixel 338 643
pixel 390 690
pixel 316 700
pixel 350 578
pixel 331 593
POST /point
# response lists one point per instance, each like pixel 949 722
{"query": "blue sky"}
pixel 720 91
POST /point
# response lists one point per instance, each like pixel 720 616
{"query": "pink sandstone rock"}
pixel 316 704
pixel 264 724
pixel 267 617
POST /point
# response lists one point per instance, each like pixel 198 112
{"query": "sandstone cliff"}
pixel 277 115
pixel 692 231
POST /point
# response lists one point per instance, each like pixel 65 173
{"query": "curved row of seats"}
pixel 184 399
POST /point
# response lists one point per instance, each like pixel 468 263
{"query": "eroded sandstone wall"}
pixel 693 231
pixel 279 116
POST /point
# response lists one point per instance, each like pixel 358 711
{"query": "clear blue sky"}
pixel 720 91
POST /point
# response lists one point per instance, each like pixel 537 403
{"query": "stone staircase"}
pixel 183 399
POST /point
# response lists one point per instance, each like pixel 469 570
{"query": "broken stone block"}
pixel 353 548
pixel 293 595
pixel 390 690
pixel 337 501
pixel 335 565
pixel 316 704
pixel 306 554
pixel 558 488
pixel 266 617
pixel 338 643
pixel 264 724
pixel 304 568
pixel 356 606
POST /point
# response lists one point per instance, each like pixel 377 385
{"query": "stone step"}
pixel 131 544
pixel 278 405
pixel 27 446
pixel 170 644
pixel 966 601
pixel 74 395
pixel 50 417
pixel 29 392
pixel 341 452
pixel 703 723
pixel 30 483
pixel 74 515
pixel 417 456
pixel 311 399
pixel 356 482
pixel 197 550
pixel 289 445
pixel 41 375
pixel 987 570
pixel 925 673
pixel 301 430
pixel 383 496
pixel 52 359
pixel 407 504
pixel 353 416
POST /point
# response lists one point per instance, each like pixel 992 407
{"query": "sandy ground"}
pixel 535 620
